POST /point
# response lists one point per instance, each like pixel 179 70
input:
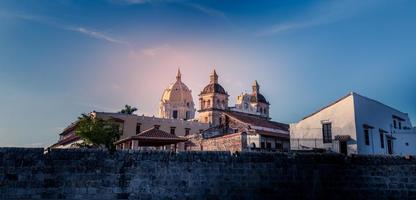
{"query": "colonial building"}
pixel 247 124
pixel 355 124
pixel 134 127
pixel 177 101
pixel 213 100
pixel 254 103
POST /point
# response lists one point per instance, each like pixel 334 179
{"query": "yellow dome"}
pixel 177 101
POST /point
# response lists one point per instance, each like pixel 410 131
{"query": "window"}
pixel 381 139
pixel 279 146
pixel 327 133
pixel 268 145
pixel 208 103
pixel 400 125
pixel 367 136
pixel 187 115
pixel 138 128
pixel 157 127
pixel 262 145
pixel 187 131
pixel 175 114
pixel 172 130
pixel 394 123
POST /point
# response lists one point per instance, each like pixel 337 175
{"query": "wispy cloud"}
pixel 195 6
pixel 79 29
pixel 154 51
pixel 322 14
pixel 208 10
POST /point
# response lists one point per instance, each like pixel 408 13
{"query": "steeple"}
pixel 179 75
pixel 256 87
pixel 213 77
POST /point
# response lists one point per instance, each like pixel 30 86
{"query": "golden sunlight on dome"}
pixel 177 101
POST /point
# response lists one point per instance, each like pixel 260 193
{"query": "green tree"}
pixel 128 110
pixel 97 132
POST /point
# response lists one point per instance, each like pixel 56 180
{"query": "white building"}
pixel 355 124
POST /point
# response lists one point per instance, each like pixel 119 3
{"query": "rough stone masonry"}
pixel 28 173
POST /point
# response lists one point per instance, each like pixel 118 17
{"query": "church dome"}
pixel 177 92
pixel 213 88
pixel 258 98
pixel 177 101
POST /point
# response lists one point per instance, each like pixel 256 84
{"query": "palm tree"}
pixel 128 110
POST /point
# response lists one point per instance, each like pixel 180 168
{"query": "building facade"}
pixel 132 125
pixel 355 124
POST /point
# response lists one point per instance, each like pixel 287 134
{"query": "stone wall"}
pixel 231 142
pixel 93 174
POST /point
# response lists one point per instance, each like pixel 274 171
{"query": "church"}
pixel 217 127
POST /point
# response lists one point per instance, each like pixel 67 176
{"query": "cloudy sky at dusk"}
pixel 61 58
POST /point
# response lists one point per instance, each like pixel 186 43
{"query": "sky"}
pixel 61 58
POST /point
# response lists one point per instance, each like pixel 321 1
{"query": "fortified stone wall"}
pixel 92 174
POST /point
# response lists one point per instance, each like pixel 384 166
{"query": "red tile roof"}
pixel 257 120
pixel 156 133
pixel 153 134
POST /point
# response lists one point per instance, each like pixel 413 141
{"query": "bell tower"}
pixel 213 100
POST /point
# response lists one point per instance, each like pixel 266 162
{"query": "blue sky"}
pixel 61 58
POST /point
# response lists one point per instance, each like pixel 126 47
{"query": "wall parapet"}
pixel 95 174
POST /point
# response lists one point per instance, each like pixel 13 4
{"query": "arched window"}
pixel 209 103
pixel 253 145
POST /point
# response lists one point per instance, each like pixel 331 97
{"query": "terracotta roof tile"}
pixel 257 121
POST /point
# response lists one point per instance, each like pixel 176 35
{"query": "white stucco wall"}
pixel 380 116
pixel 309 130
pixel 348 117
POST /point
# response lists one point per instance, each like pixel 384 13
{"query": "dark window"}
pixel 175 114
pixel 367 136
pixel 327 133
pixel 187 115
pixel 268 145
pixel 172 130
pixel 279 146
pixel 220 120
pixel 138 128
pixel 157 127
pixel 262 145
pixel 187 131
pixel 381 139
pixel 389 146
pixel 400 125
pixel 394 123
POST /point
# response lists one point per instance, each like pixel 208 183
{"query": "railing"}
pixel 313 144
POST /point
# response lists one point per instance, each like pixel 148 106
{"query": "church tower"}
pixel 213 100
pixel 177 101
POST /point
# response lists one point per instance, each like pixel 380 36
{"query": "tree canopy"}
pixel 128 110
pixel 97 132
